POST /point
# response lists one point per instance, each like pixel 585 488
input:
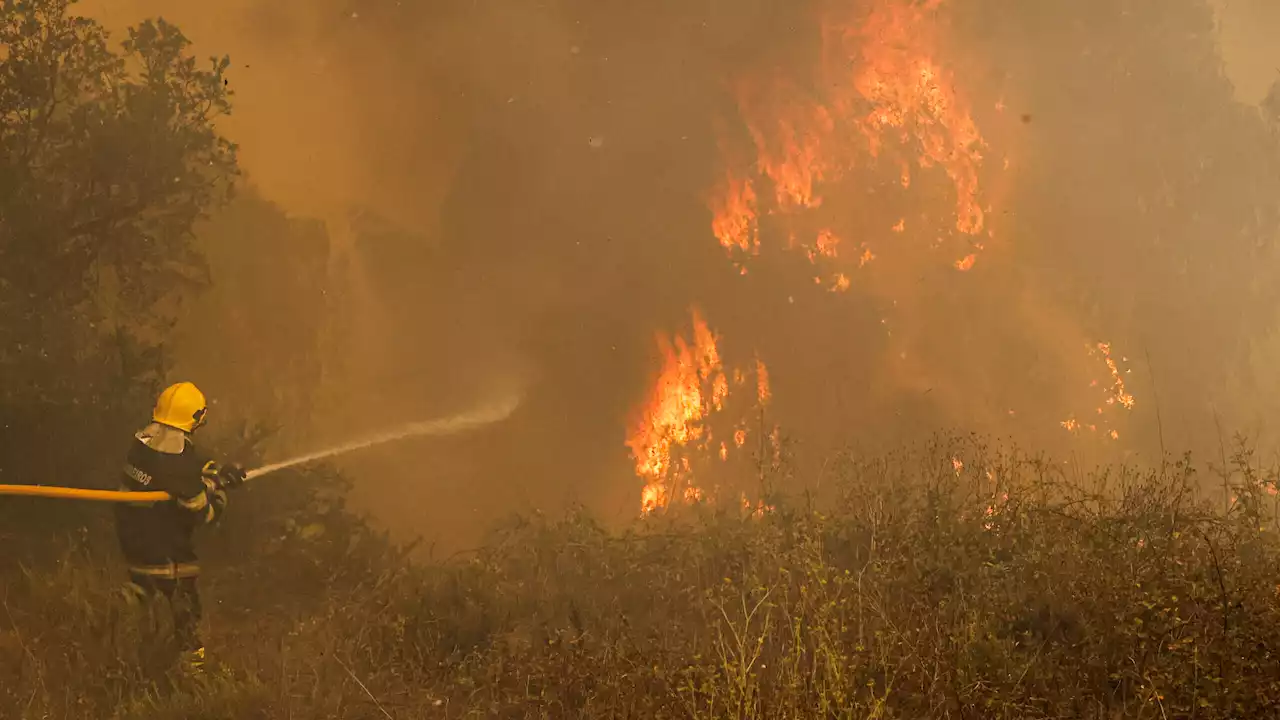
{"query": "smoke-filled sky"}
pixel 1247 32
pixel 547 177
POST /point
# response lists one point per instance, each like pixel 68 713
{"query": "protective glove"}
pixel 231 476
pixel 218 499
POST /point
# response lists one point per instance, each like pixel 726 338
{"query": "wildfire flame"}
pixel 1113 394
pixel 735 215
pixel 887 94
pixel 880 113
pixel 760 507
pixel 762 383
pixel 676 421
pixel 1117 392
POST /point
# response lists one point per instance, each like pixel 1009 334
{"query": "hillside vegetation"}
pixel 949 581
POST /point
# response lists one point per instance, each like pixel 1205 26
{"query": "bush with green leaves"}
pixel 107 160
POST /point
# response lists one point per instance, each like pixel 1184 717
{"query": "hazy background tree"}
pixel 1271 105
pixel 252 338
pixel 107 160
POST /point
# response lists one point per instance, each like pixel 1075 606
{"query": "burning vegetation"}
pixel 886 100
pixel 882 110
pixel 1114 396
pixel 881 97
pixel 695 413
pixel 894 246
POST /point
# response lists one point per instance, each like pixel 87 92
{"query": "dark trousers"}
pixel 184 601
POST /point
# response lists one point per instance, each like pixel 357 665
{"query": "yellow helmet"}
pixel 181 406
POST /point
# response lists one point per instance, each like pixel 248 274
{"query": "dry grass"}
pixel 914 591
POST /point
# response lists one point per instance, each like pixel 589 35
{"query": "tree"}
pixel 1146 194
pixel 107 159
pixel 270 302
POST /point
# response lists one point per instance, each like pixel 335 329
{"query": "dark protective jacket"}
pixel 156 538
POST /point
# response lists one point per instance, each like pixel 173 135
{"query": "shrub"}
pixel 950 581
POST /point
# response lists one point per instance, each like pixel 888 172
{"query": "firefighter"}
pixel 156 538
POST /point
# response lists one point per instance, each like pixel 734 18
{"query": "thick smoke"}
pixel 521 189
pixel 1247 32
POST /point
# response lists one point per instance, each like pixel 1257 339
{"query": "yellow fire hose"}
pixel 121 496
pixel 83 494
pixel 124 496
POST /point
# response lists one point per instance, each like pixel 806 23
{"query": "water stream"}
pixel 484 415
